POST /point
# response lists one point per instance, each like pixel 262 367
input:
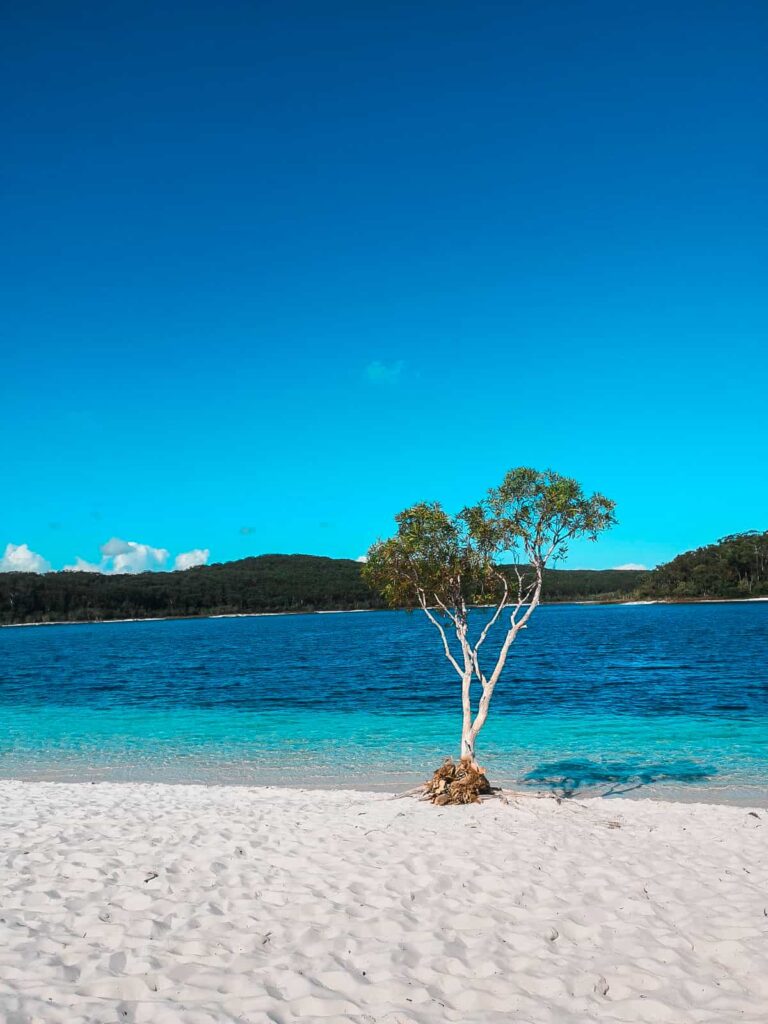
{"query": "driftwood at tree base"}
pixel 457 783
pixel 423 792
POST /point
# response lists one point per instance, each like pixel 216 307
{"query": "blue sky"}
pixel 273 271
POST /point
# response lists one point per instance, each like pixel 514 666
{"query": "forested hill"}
pixel 736 566
pixel 269 583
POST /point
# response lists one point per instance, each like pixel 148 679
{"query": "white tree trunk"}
pixel 467 746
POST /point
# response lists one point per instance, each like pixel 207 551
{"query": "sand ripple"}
pixel 146 904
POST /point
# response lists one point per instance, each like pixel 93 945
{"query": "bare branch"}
pixel 439 626
pixel 494 618
pixel 515 627
pixel 446 610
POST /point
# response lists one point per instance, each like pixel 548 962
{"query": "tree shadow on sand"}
pixel 582 777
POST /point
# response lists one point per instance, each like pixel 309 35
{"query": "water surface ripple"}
pixel 646 700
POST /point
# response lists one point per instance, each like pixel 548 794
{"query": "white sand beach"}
pixel 155 904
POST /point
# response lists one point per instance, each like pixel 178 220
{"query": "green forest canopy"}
pixel 736 566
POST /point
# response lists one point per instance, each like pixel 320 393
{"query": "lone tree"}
pixel 444 564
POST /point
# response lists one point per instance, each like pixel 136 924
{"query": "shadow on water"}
pixel 582 777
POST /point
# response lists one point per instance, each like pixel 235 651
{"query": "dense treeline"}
pixel 736 566
pixel 269 583
pixel 591 584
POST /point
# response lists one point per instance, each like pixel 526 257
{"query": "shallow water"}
pixel 660 700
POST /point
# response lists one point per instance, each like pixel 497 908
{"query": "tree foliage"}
pixel 455 560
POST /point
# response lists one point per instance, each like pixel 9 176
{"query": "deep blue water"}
pixel 651 699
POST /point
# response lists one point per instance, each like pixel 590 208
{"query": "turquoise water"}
pixel 637 700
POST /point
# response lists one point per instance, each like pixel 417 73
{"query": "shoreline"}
pixel 383 792
pixel 355 611
pixel 190 618
pixel 662 794
pixel 160 904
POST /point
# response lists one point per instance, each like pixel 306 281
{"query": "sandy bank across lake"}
pixel 153 904
pixel 351 611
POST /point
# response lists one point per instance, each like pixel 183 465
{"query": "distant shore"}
pixel 190 618
pixel 357 611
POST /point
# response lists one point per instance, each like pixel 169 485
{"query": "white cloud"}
pixel 80 565
pixel 117 556
pixel 18 558
pixel 123 556
pixel 362 558
pixel 189 559
pixel 129 556
pixel 386 373
pixel 115 546
pixel 631 565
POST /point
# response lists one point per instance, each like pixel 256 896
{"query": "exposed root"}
pixel 416 791
pixel 466 783
pixel 462 783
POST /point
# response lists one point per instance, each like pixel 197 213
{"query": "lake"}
pixel 649 700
